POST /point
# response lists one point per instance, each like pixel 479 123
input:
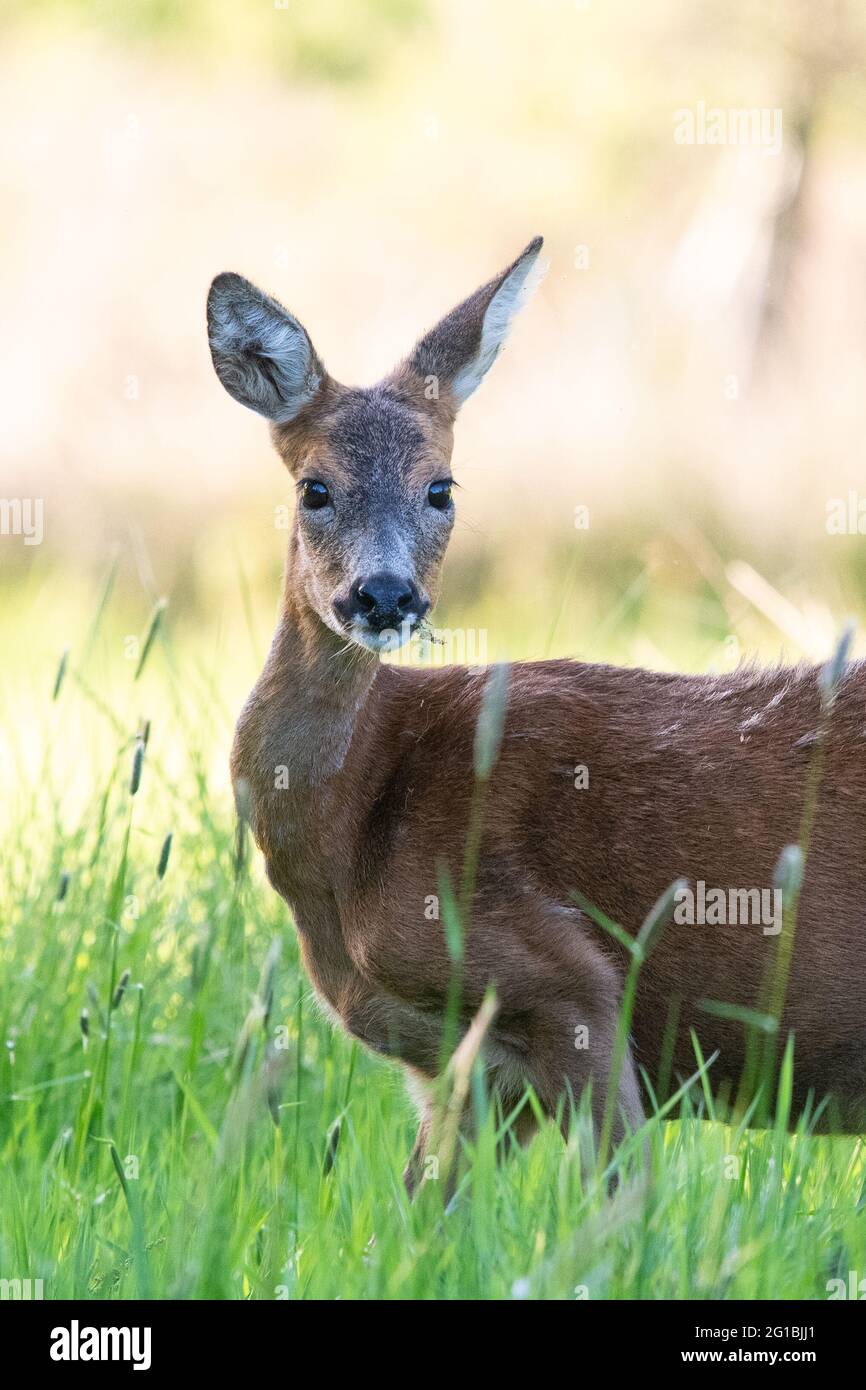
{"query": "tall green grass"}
pixel 178 1120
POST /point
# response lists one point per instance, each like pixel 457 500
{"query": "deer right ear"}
pixel 261 353
pixel 461 349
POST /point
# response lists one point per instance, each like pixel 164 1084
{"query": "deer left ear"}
pixel 463 346
pixel 261 353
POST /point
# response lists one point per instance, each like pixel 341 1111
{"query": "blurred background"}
pixel 646 475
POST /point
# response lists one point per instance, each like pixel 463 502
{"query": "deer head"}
pixel 372 466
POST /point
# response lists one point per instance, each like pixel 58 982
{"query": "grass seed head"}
pixel 61 672
pixel 120 990
pixel 137 764
pixel 831 674
pixel 788 873
pixel 164 854
pixel 332 1143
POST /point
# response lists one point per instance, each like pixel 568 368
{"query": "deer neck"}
pixel 296 727
pixel 317 684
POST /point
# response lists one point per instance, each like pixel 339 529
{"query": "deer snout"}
pixel 385 600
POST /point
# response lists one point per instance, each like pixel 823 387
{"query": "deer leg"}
pixel 558 1080
pixel 423 1163
pixel 555 1027
pixel 571 1046
pixel 417 1167
pixel 563 1049
pixel 560 996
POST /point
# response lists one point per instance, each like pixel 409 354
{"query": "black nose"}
pixel 384 601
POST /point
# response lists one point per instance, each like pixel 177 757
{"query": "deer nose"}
pixel 385 601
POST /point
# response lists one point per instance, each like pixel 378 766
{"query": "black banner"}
pixel 68 1339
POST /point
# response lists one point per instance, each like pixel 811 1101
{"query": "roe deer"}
pixel 698 777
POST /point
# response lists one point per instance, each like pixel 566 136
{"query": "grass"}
pixel 178 1120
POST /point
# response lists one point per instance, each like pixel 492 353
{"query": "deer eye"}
pixel 439 495
pixel 314 495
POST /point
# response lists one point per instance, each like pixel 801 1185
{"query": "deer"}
pixel 698 778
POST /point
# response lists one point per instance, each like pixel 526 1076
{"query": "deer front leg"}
pixel 558 1000
pixel 556 1030
pixel 570 1046
pixel 423 1164
pixel 416 1168
pixel 559 1050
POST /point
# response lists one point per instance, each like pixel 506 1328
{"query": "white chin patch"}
pixel 389 640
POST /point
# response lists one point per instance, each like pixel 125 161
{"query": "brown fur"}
pixel 695 777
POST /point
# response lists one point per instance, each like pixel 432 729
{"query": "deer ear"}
pixel 463 346
pixel 261 354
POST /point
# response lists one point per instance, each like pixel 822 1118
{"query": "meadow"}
pixel 177 1119
pixel 662 471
